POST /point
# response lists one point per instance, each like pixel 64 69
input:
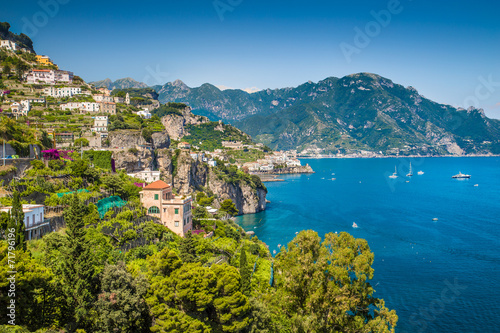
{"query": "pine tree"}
pixel 16 221
pixel 77 268
pixel 245 272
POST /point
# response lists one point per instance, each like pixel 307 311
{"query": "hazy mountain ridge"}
pixel 357 112
pixel 124 83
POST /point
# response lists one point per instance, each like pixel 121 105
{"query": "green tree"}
pixel 323 287
pixel 81 142
pixel 45 140
pixel 245 272
pixel 188 248
pixel 6 70
pixel 39 301
pixel 4 221
pixel 229 207
pixel 121 306
pixel 231 304
pixel 16 222
pixel 78 266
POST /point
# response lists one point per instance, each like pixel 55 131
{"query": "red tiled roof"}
pixel 157 185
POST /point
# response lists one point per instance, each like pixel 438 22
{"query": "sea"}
pixel 436 239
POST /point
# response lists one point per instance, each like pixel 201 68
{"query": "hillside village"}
pixel 107 197
pixel 130 128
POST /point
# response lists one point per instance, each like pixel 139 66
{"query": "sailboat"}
pixel 395 174
pixel 410 174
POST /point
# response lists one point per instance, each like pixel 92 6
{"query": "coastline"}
pixel 385 156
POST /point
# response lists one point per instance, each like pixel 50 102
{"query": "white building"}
pixel 293 163
pixel 71 106
pixel 100 124
pixel 268 167
pixel 9 45
pixel 34 220
pixel 103 98
pixel 48 76
pixel 212 163
pixel 147 175
pixel 62 92
pixel 144 114
pixel 117 99
pixel 127 99
pixel 90 107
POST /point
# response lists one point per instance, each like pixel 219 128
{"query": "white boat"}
pixel 420 173
pixel 460 175
pixel 410 174
pixel 395 174
pixel 354 225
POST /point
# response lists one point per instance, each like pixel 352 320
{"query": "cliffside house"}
pixel 144 114
pixel 102 98
pixel 107 107
pixel 62 92
pixel 34 221
pixel 44 60
pixel 173 212
pixel 104 91
pixel 48 76
pixel 184 145
pixel 9 45
pixel 100 124
pixel 147 175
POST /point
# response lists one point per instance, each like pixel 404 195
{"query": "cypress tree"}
pixel 16 221
pixel 77 267
pixel 245 272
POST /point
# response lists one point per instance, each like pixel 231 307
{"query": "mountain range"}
pixel 359 112
pixel 125 83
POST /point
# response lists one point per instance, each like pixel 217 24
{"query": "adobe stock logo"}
pixel 49 9
pixel 223 6
pixel 372 29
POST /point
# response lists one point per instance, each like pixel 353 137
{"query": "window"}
pixel 176 223
pixel 28 220
pixel 153 210
pixel 164 210
pixel 156 196
pixel 177 211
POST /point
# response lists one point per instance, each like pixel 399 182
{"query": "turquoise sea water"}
pixel 440 276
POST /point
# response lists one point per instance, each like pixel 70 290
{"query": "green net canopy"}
pixel 106 204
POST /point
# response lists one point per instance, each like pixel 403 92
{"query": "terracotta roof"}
pixel 157 185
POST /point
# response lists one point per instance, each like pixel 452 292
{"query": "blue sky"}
pixel 449 51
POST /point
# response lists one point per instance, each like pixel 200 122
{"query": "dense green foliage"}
pixel 100 158
pixel 207 137
pixel 169 108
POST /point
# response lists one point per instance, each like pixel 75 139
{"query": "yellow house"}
pixel 44 60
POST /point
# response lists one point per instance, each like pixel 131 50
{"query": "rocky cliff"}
pixel 126 139
pixel 248 200
pixel 188 175
pixel 175 124
pixel 133 159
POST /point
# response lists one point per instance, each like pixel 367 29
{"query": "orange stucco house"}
pixel 173 211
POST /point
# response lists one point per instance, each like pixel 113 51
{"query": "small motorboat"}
pixel 460 175
pixel 435 219
pixel 354 225
pixel 420 173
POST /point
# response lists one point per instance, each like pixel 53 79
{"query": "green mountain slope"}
pixel 358 112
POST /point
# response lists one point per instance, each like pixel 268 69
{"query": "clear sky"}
pixel 448 50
